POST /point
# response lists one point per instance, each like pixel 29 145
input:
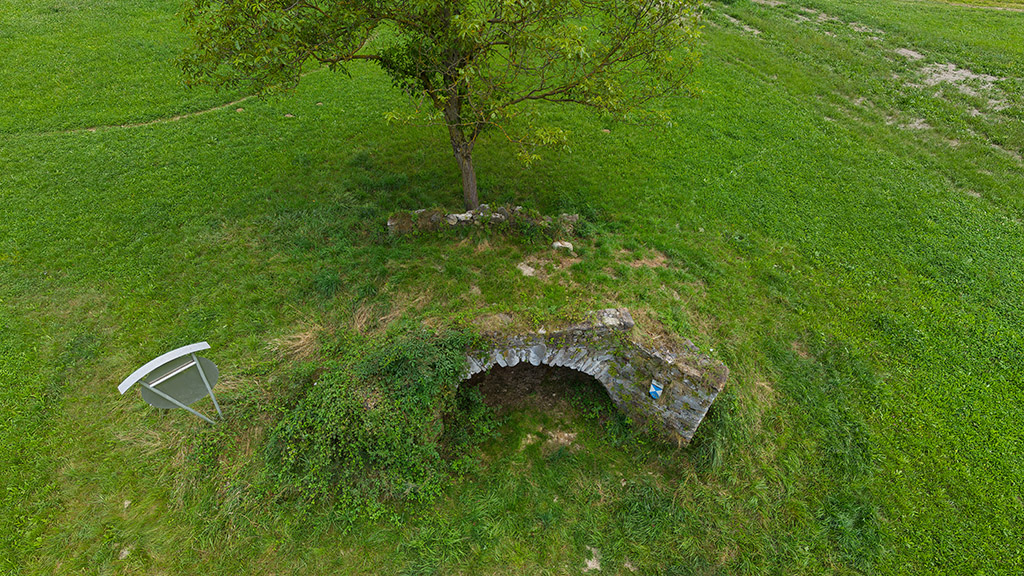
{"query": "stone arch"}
pixel 601 347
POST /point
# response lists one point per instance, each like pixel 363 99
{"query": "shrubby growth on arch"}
pixel 386 421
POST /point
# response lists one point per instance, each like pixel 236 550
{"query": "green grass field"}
pixel 836 216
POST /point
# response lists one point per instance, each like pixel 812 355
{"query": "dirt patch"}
pixel 654 260
pixel 541 388
pixel 909 54
pixel 247 444
pixel 819 16
pixel 858 27
pixel 527 270
pixel 556 440
pixel 149 442
pixel 543 267
pixel 916 124
pixel 655 335
pixel 594 563
pixel 560 439
pixel 1010 153
pixel 800 349
pixel 528 440
pixel 402 303
pixel 764 397
pixel 745 27
pixel 658 261
pixel 979 6
pixel 998 105
pixel 772 3
pixel 963 79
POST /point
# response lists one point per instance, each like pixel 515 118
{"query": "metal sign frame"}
pixel 138 377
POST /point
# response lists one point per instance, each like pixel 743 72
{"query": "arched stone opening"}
pixel 673 388
pixel 550 389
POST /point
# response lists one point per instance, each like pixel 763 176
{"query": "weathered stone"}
pixel 454 219
pixel 567 223
pixel 601 347
pixel 526 269
pixel 400 223
pixel 427 220
pixel 406 222
pixel 563 245
pixel 537 354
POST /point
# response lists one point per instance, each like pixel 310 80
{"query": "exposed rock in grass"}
pixel 405 222
pixel 527 270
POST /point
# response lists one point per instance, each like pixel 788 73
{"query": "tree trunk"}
pixel 462 148
pixel 465 160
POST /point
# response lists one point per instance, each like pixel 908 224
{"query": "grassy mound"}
pixel 372 428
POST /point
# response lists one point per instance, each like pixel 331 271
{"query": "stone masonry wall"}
pixel 601 347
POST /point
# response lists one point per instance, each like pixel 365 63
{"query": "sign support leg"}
pixel 175 402
pixel 207 382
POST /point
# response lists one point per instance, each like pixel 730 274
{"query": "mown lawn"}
pixel 836 217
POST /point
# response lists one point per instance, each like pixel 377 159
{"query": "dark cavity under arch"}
pixel 602 348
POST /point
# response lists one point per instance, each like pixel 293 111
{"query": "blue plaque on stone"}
pixel 655 390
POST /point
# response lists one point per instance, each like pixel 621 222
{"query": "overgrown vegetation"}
pixel 378 426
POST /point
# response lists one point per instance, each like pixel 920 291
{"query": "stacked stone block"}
pixel 602 348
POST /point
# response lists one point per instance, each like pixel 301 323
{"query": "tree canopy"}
pixel 473 63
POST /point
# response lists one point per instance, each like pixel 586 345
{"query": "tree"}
pixel 476 64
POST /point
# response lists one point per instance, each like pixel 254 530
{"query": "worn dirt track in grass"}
pixel 165 120
pixel 1003 7
pixel 157 120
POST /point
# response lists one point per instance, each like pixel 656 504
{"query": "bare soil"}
pixel 546 389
